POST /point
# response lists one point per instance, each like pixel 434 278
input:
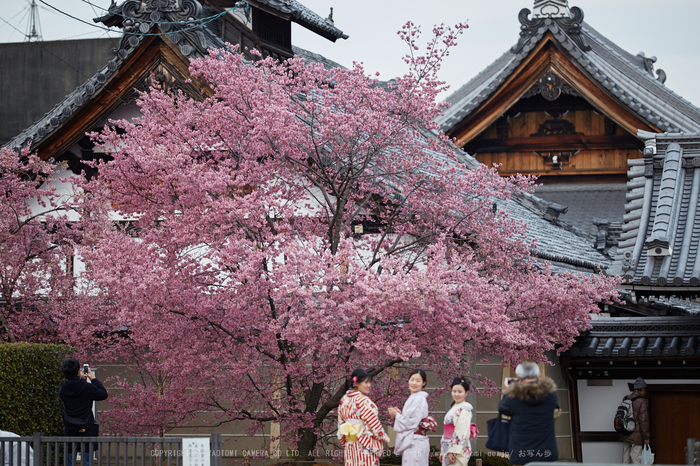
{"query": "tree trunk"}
pixel 307 443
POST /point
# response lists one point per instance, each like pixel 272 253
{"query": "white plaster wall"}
pixel 597 405
pixel 602 452
pixel 63 189
pixel 124 112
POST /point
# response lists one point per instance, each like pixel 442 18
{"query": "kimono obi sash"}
pixel 351 429
pixel 425 425
pixel 448 431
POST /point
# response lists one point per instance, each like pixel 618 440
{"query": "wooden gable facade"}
pixel 564 104
pixel 562 126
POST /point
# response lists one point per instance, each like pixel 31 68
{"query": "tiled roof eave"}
pixel 639 337
pixel 306 17
pixel 592 266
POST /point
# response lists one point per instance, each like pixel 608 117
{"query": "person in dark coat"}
pixel 77 396
pixel 530 401
pixel 633 443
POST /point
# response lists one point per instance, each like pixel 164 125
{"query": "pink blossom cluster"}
pixel 36 245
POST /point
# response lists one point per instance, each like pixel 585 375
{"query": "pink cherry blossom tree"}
pixel 35 248
pixel 299 223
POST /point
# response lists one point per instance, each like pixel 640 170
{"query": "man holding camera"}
pixel 78 396
pixel 530 401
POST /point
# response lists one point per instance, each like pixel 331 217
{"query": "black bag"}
pixel 498 430
pixel 75 423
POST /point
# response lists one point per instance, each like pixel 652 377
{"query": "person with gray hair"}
pixel 530 402
pixel 527 370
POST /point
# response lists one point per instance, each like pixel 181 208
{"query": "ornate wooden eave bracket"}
pixel 550 86
pixel 570 24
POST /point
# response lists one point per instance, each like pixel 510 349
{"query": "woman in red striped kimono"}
pixel 359 429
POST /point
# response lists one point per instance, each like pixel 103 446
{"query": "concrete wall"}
pixel 35 76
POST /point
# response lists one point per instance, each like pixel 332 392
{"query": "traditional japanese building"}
pixel 154 47
pixel 658 259
pixel 571 107
pixel 160 38
pixel 565 104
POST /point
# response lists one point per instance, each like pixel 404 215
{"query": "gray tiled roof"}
pixel 308 18
pixel 639 337
pixel 564 246
pixel 567 248
pixel 627 78
pixel 315 57
pixel 605 201
pixel 661 234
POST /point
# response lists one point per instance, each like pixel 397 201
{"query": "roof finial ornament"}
pixel 551 9
pixel 553 15
pixel 329 20
pixel 648 64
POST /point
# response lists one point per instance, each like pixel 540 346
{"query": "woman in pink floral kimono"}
pixel 455 448
pixel 359 429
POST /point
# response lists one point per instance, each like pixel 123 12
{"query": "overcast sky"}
pixel 667 29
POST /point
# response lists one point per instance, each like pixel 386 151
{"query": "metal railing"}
pixel 40 450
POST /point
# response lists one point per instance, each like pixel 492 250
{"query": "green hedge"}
pixel 30 375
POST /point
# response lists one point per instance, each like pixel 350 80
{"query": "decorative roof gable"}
pixel 619 84
pixel 183 21
pixel 554 16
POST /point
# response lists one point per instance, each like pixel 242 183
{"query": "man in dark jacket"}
pixel 530 402
pixel 633 443
pixel 77 396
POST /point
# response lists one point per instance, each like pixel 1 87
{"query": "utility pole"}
pixel 34 28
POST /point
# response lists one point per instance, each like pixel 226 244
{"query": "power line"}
pixel 25 11
pixel 197 23
pixel 237 5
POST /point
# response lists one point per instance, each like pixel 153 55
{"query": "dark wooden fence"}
pixel 103 451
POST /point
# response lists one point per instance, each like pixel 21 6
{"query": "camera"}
pixel 86 369
pixel 510 380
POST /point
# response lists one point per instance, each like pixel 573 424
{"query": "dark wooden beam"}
pixel 601 436
pixel 567 142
